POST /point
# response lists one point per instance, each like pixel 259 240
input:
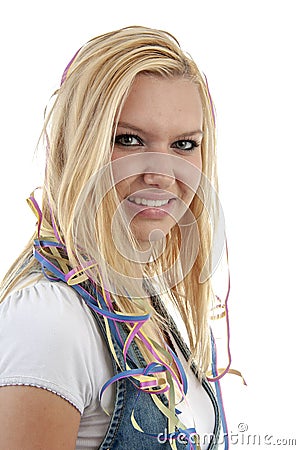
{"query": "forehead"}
pixel 157 102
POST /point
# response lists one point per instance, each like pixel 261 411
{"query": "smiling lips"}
pixel 151 206
pixel 150 203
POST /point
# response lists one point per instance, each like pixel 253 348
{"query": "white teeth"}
pixel 144 202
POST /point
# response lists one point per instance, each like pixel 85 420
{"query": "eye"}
pixel 128 140
pixel 186 145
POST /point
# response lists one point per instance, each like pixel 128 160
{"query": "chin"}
pixel 150 234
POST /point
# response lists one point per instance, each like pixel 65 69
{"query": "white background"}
pixel 249 51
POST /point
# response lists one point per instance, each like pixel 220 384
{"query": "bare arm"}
pixel 35 419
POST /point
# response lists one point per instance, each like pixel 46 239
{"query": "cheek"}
pixel 121 188
pixel 196 159
pixel 188 176
pixel 187 193
pixel 124 187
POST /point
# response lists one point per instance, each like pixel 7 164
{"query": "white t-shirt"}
pixel 50 339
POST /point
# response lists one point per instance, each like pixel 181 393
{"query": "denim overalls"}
pixel 121 435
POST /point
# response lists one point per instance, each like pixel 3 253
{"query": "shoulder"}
pixel 52 306
pixel 48 337
pixel 38 291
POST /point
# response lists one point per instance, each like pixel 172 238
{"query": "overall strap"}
pixel 160 308
pixel 125 392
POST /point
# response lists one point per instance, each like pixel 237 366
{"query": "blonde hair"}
pixel 79 131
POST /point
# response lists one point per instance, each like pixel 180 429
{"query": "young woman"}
pixel 105 338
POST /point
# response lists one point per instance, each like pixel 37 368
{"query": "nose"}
pixel 159 171
pixel 158 180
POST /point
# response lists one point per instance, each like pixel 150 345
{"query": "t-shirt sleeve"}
pixel 49 339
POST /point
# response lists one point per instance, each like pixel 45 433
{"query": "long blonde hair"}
pixel 79 134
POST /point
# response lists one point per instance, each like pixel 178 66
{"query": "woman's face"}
pixel 157 154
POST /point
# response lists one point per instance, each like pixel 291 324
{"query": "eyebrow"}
pixel 139 130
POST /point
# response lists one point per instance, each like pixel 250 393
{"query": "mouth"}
pixel 151 203
pixel 150 206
